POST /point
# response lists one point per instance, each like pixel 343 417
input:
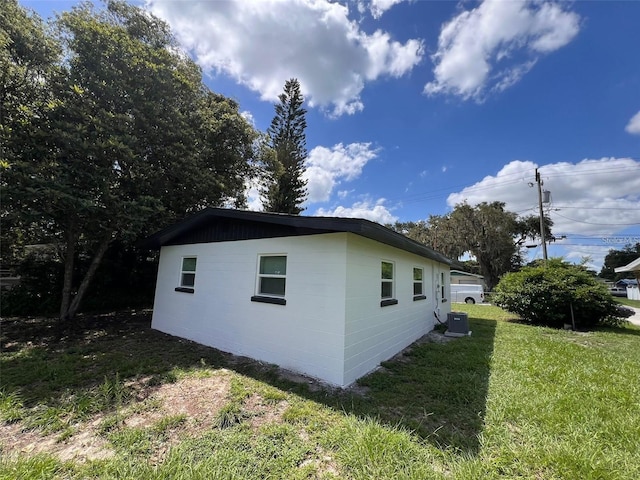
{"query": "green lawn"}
pixel 627 302
pixel 510 401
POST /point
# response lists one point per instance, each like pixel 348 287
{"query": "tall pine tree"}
pixel 285 188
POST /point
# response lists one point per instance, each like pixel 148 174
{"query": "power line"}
pixel 418 197
pixel 589 172
pixel 588 208
pixel 594 223
pixel 503 180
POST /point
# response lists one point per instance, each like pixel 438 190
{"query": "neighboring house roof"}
pixel 627 282
pixel 220 224
pixel 461 273
pixel 631 267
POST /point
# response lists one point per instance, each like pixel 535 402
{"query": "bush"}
pixel 545 295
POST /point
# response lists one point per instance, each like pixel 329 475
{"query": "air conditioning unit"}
pixel 457 325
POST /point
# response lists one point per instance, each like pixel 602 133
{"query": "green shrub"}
pixel 545 295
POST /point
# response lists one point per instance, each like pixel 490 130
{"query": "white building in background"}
pixel 632 290
pixel 460 277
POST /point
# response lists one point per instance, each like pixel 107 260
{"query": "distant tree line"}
pixel 619 258
pixel 108 133
pixel 494 236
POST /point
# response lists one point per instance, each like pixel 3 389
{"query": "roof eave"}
pixel 631 267
pixel 357 226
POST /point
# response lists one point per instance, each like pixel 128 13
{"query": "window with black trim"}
pixel 187 275
pixel 387 287
pixel 272 279
pixel 418 284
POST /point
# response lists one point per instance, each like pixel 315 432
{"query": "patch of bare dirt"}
pixel 404 356
pixel 196 399
pixel 323 462
pixel 262 412
pixel 434 336
pixel 84 445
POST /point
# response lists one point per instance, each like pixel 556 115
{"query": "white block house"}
pixel 327 297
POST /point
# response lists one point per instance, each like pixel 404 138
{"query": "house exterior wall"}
pixel 374 333
pixel 305 335
pixel 332 326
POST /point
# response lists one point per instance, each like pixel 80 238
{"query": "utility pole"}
pixel 542 234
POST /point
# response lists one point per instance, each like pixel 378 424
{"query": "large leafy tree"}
pixel 128 140
pixel 619 258
pixel 489 232
pixel 285 188
pixel 28 56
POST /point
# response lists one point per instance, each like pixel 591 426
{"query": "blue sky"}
pixel 414 106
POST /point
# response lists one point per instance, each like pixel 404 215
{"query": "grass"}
pixel 510 401
pixel 628 302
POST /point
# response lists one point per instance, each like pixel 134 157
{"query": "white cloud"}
pixel 633 127
pixel 594 253
pixel 327 167
pixel 374 211
pixel 492 46
pixel 592 197
pixel 248 116
pixel 262 44
pixel 252 191
pixel 378 7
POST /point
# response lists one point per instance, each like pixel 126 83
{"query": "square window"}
pixel 276 265
pixel 272 286
pixel 272 275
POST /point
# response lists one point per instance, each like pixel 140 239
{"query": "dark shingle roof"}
pixel 263 225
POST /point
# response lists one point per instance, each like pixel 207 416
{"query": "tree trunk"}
pixel 86 280
pixel 70 253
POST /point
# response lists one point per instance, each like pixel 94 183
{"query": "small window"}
pixel 272 275
pixel 418 284
pixel 386 284
pixel 387 280
pixel 188 273
pixel 444 299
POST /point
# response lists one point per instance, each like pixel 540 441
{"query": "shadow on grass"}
pixel 626 328
pixel 40 369
pixel 437 388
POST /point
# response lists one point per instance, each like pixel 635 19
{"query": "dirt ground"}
pixel 196 400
